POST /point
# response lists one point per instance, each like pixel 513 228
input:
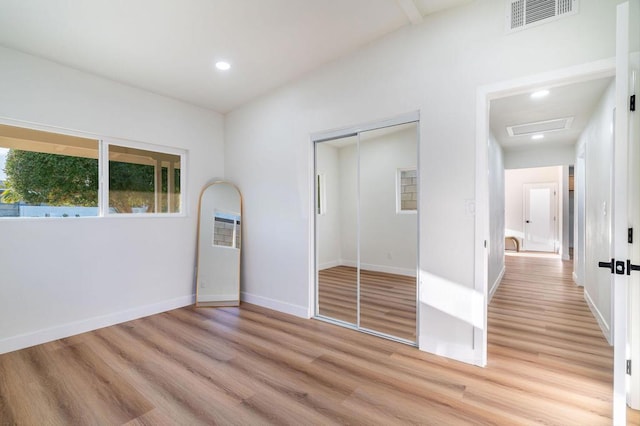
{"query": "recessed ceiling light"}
pixel 539 94
pixel 223 65
pixel 537 137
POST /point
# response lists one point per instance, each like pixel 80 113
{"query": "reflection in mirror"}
pixel 367 230
pixel 336 224
pixel 219 242
pixel 389 230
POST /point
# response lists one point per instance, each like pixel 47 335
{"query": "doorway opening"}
pixel 591 198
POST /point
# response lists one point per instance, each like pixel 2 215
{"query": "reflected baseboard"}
pixel 381 268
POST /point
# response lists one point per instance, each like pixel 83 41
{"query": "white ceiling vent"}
pixel 540 127
pixel 523 14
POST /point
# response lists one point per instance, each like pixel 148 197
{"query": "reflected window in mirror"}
pixel 226 230
pixel 407 190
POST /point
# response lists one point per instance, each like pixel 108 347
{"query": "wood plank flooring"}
pixel 254 366
pixel 387 301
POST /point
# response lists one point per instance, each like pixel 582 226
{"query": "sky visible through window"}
pixel 3 157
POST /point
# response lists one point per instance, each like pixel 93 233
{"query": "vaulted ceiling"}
pixel 170 46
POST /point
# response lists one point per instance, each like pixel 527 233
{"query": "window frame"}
pixel 399 209
pixel 103 171
pixel 105 143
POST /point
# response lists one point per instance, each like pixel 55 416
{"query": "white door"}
pixel 633 399
pixel 540 213
pixel 627 40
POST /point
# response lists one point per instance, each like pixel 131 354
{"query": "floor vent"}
pixel 523 14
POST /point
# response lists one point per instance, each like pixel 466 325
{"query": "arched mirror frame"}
pixel 199 239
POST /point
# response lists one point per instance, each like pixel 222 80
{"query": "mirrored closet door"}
pixel 367 230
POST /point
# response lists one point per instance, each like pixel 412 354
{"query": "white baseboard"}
pixel 330 264
pixel 496 284
pixel 276 305
pixel 575 279
pixel 381 268
pixel 26 340
pixel 450 350
pixel 604 326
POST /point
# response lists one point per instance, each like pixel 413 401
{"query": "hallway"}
pixel 539 317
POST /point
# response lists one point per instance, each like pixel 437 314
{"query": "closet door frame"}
pixel 326 136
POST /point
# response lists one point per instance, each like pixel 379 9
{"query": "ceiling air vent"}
pixel 540 127
pixel 523 14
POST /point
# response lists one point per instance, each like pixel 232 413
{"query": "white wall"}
pixel 388 241
pixel 497 214
pixel 597 140
pixel 65 276
pixel 436 68
pixel 514 195
pixel 525 158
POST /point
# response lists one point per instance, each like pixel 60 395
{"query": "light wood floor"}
pixel 387 301
pixel 253 366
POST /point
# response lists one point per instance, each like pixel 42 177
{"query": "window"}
pixel 226 230
pixel 407 190
pixel 142 181
pixel 46 174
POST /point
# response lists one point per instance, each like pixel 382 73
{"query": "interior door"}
pixel 627 41
pixel 540 210
pixel 633 398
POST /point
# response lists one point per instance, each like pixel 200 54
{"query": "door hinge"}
pixel 632 103
pixel 630 235
pixel 629 367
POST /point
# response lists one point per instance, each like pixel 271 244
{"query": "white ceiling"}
pixel 574 100
pixel 170 46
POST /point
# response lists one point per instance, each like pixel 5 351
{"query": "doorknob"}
pixel 619 266
pixel 632 267
pixel 528 221
pixel 611 265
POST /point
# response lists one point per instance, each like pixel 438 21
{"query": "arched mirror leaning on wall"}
pixel 219 241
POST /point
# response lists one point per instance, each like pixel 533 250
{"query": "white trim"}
pixel 70 329
pixel 276 305
pixel 342 132
pixel 454 351
pixel 496 284
pixel 575 279
pixel 606 330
